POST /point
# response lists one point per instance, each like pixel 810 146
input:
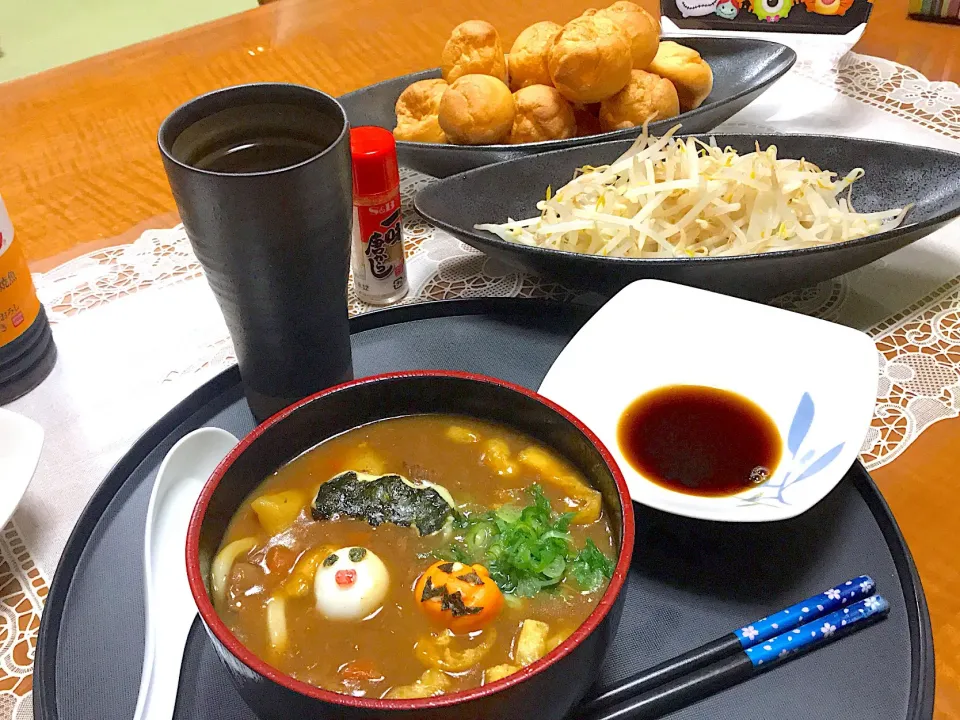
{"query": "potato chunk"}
pixel 277 512
pixel 363 458
pixel 460 434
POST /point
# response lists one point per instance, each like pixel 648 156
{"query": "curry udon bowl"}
pixel 553 684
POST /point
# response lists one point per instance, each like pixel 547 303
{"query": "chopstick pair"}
pixel 741 654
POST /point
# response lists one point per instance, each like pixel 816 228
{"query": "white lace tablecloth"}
pixel 138 328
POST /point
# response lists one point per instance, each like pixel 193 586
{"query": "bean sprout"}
pixel 674 197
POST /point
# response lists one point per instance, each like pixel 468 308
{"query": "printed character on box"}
pixel 771 10
pixel 828 7
pixel 697 8
pixel 728 9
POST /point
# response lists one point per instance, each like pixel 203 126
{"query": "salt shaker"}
pixel 379 268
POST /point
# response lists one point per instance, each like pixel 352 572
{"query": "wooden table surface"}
pixel 79 169
pixel 78 153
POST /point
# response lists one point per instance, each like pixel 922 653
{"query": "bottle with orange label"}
pixel 27 350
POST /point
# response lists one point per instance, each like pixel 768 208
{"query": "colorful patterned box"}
pixel 830 17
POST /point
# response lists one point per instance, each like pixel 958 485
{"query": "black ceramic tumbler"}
pixel 261 177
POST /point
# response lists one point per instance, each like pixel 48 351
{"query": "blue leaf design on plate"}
pixel 820 463
pixel 800 426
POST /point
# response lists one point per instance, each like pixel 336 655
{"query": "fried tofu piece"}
pixel 532 642
pixel 496 456
pixel 499 672
pixel 586 502
pixel 432 682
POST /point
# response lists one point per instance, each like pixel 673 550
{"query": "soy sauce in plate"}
pixel 699 440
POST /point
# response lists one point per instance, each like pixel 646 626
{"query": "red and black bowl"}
pixel 547 689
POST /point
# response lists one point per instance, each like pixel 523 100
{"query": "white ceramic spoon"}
pixel 168 605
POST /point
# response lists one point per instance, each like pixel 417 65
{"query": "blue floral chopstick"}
pixel 731 644
pixel 745 664
pixel 821 630
pixel 813 607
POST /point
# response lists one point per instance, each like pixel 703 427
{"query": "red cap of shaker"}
pixel 374 154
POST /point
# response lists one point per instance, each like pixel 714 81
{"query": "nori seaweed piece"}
pixel 454 603
pixel 471 577
pixel 387 499
pixel 430 592
pixel 357 554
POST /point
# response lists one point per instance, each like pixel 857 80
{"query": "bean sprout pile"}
pixel 674 197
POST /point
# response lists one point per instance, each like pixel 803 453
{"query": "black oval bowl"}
pixel 553 684
pixel 896 175
pixel 742 69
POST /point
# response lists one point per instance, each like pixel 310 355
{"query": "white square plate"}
pixel 816 380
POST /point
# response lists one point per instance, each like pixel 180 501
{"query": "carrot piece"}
pixel 280 559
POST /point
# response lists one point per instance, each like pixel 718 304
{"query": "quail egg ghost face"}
pixel 350 584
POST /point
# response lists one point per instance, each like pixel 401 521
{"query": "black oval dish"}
pixel 565 674
pixel 896 175
pixel 742 69
pixel 689 582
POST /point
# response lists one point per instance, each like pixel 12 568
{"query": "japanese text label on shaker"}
pixel 27 350
pixel 379 268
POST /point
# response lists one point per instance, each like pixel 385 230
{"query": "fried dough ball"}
pixel 590 59
pixel 641 28
pixel 645 97
pixel 542 114
pixel 474 48
pixel 528 56
pixel 689 73
pixel 417 109
pixel 477 110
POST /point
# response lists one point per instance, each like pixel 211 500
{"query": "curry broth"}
pixel 369 657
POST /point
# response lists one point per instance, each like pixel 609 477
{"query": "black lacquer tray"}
pixel 691 581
